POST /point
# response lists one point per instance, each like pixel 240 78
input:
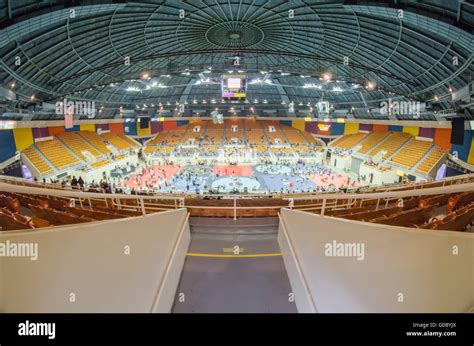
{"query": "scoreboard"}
pixel 234 87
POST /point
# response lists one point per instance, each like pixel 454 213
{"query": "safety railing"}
pixel 315 203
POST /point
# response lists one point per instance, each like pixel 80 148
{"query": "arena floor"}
pixel 238 178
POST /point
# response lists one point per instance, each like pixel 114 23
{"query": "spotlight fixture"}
pixel 327 76
pixel 370 85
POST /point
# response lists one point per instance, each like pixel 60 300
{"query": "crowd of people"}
pixel 291 177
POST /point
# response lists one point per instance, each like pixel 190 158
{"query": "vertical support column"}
pixel 323 208
pixel 235 209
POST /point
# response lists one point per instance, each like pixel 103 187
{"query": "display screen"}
pixel 234 87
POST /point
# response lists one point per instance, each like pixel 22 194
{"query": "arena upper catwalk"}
pixel 131 57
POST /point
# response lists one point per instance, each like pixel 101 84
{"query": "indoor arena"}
pixel 236 156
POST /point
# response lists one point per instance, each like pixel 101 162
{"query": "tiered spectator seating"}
pixel 131 142
pixel 37 160
pixel 283 151
pixel 149 150
pixel 411 153
pixel 371 141
pixel 116 141
pixel 391 144
pixel 273 137
pixel 159 139
pixel 229 134
pixel 100 163
pixel 10 221
pixel 309 137
pixel 239 136
pixel 294 135
pixel 96 140
pixel 431 161
pixel 77 144
pixel 191 135
pixel 57 154
pixel 214 133
pixel 164 150
pixel 305 150
pixel 255 135
pixel 460 200
pixel 211 126
pixel 48 211
pixel 351 140
pixel 407 218
pixel 339 141
pixel 455 221
pixel 212 149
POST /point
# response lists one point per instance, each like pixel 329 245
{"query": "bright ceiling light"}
pixel 370 85
pixel 133 89
pixel 327 76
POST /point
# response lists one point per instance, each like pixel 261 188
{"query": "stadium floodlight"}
pixel 370 85
pixel 327 76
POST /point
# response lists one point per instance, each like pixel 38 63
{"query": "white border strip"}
pixel 164 299
pixel 303 298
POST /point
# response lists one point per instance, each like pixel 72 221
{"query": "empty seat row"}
pixel 394 141
pixel 40 164
pixel 78 144
pixel 57 153
pixel 411 153
pixel 431 160
pixel 457 220
pixel 97 141
pixel 369 142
